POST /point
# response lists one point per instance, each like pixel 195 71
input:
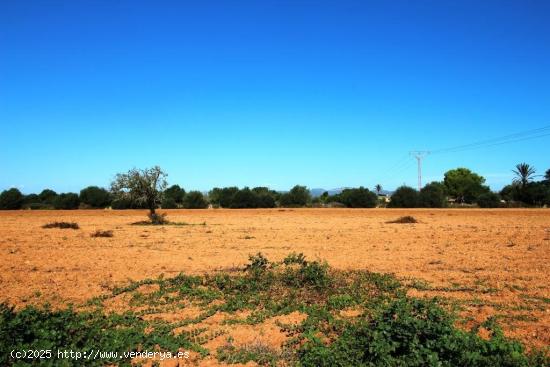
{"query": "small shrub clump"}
pixel 100 233
pixel 155 219
pixel 62 225
pixel 404 220
pixel 158 218
pixel 258 264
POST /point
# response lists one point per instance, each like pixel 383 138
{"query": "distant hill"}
pixel 318 191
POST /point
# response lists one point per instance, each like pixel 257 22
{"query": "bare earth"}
pixel 494 262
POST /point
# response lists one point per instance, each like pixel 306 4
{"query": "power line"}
pixel 391 171
pixel 405 163
pixel 512 138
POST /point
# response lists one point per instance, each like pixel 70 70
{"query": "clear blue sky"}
pixel 321 93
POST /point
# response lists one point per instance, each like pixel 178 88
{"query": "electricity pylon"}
pixel 419 155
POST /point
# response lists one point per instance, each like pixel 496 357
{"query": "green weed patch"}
pixel 388 329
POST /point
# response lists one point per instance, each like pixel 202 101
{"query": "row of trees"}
pixel 122 196
pixel 463 186
pixel 94 197
pixel 147 189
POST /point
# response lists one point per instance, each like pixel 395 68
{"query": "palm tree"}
pixel 378 188
pixel 524 173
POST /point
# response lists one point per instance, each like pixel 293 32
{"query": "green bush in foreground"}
pixel 412 332
pixel 391 330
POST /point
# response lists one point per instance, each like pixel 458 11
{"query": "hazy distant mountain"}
pixel 318 192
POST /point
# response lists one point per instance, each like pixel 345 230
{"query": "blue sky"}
pixel 321 93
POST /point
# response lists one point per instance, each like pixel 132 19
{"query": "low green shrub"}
pixel 413 332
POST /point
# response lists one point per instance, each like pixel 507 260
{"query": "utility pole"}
pixel 419 155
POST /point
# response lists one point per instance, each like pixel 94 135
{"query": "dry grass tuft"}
pixel 62 225
pixel 404 220
pixel 100 233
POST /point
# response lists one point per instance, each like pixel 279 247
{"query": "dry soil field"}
pixel 491 262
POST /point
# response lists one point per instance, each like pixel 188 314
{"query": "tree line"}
pixel 461 186
pixel 147 189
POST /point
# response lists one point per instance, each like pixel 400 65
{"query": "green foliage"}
pixel 194 200
pixel 11 199
pixel 312 274
pixel 168 203
pixel 265 198
pixel 66 201
pixel 432 196
pixel 392 329
pixel 47 196
pixel 262 354
pixel 173 194
pixel 404 197
pixel 32 201
pixel 296 197
pixel 258 197
pixel 510 193
pixel 488 200
pixel 126 203
pixel 412 332
pixel 140 186
pixel 534 193
pixel 232 197
pixel 358 198
pixel 222 197
pixel 464 185
pixel 257 264
pixel 37 206
pixel 524 174
pixel 295 259
pixel 525 191
pixel 95 197
pixel 45 329
pixel 244 198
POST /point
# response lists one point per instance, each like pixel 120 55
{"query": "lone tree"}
pixel 142 187
pixel 378 189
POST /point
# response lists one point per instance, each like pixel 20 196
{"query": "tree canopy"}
pixel 433 195
pixel 142 186
pixel 194 200
pixel 358 198
pixel 297 196
pixel 404 197
pixel 464 185
pixel 11 199
pixel 95 197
